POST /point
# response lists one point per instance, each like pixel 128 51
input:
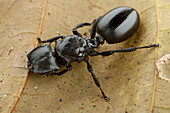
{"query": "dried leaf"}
pixel 129 79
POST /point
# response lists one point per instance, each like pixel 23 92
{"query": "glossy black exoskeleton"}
pixel 118 24
pixel 115 26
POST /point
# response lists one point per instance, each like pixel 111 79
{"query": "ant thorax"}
pixel 72 48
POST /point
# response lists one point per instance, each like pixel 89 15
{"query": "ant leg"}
pixel 31 69
pixel 89 67
pixel 93 31
pixel 107 53
pixel 69 67
pixel 51 39
pixel 94 43
pixel 28 64
pixel 75 32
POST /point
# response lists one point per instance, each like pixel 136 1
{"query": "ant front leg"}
pixel 107 53
pixel 51 39
pixel 89 67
